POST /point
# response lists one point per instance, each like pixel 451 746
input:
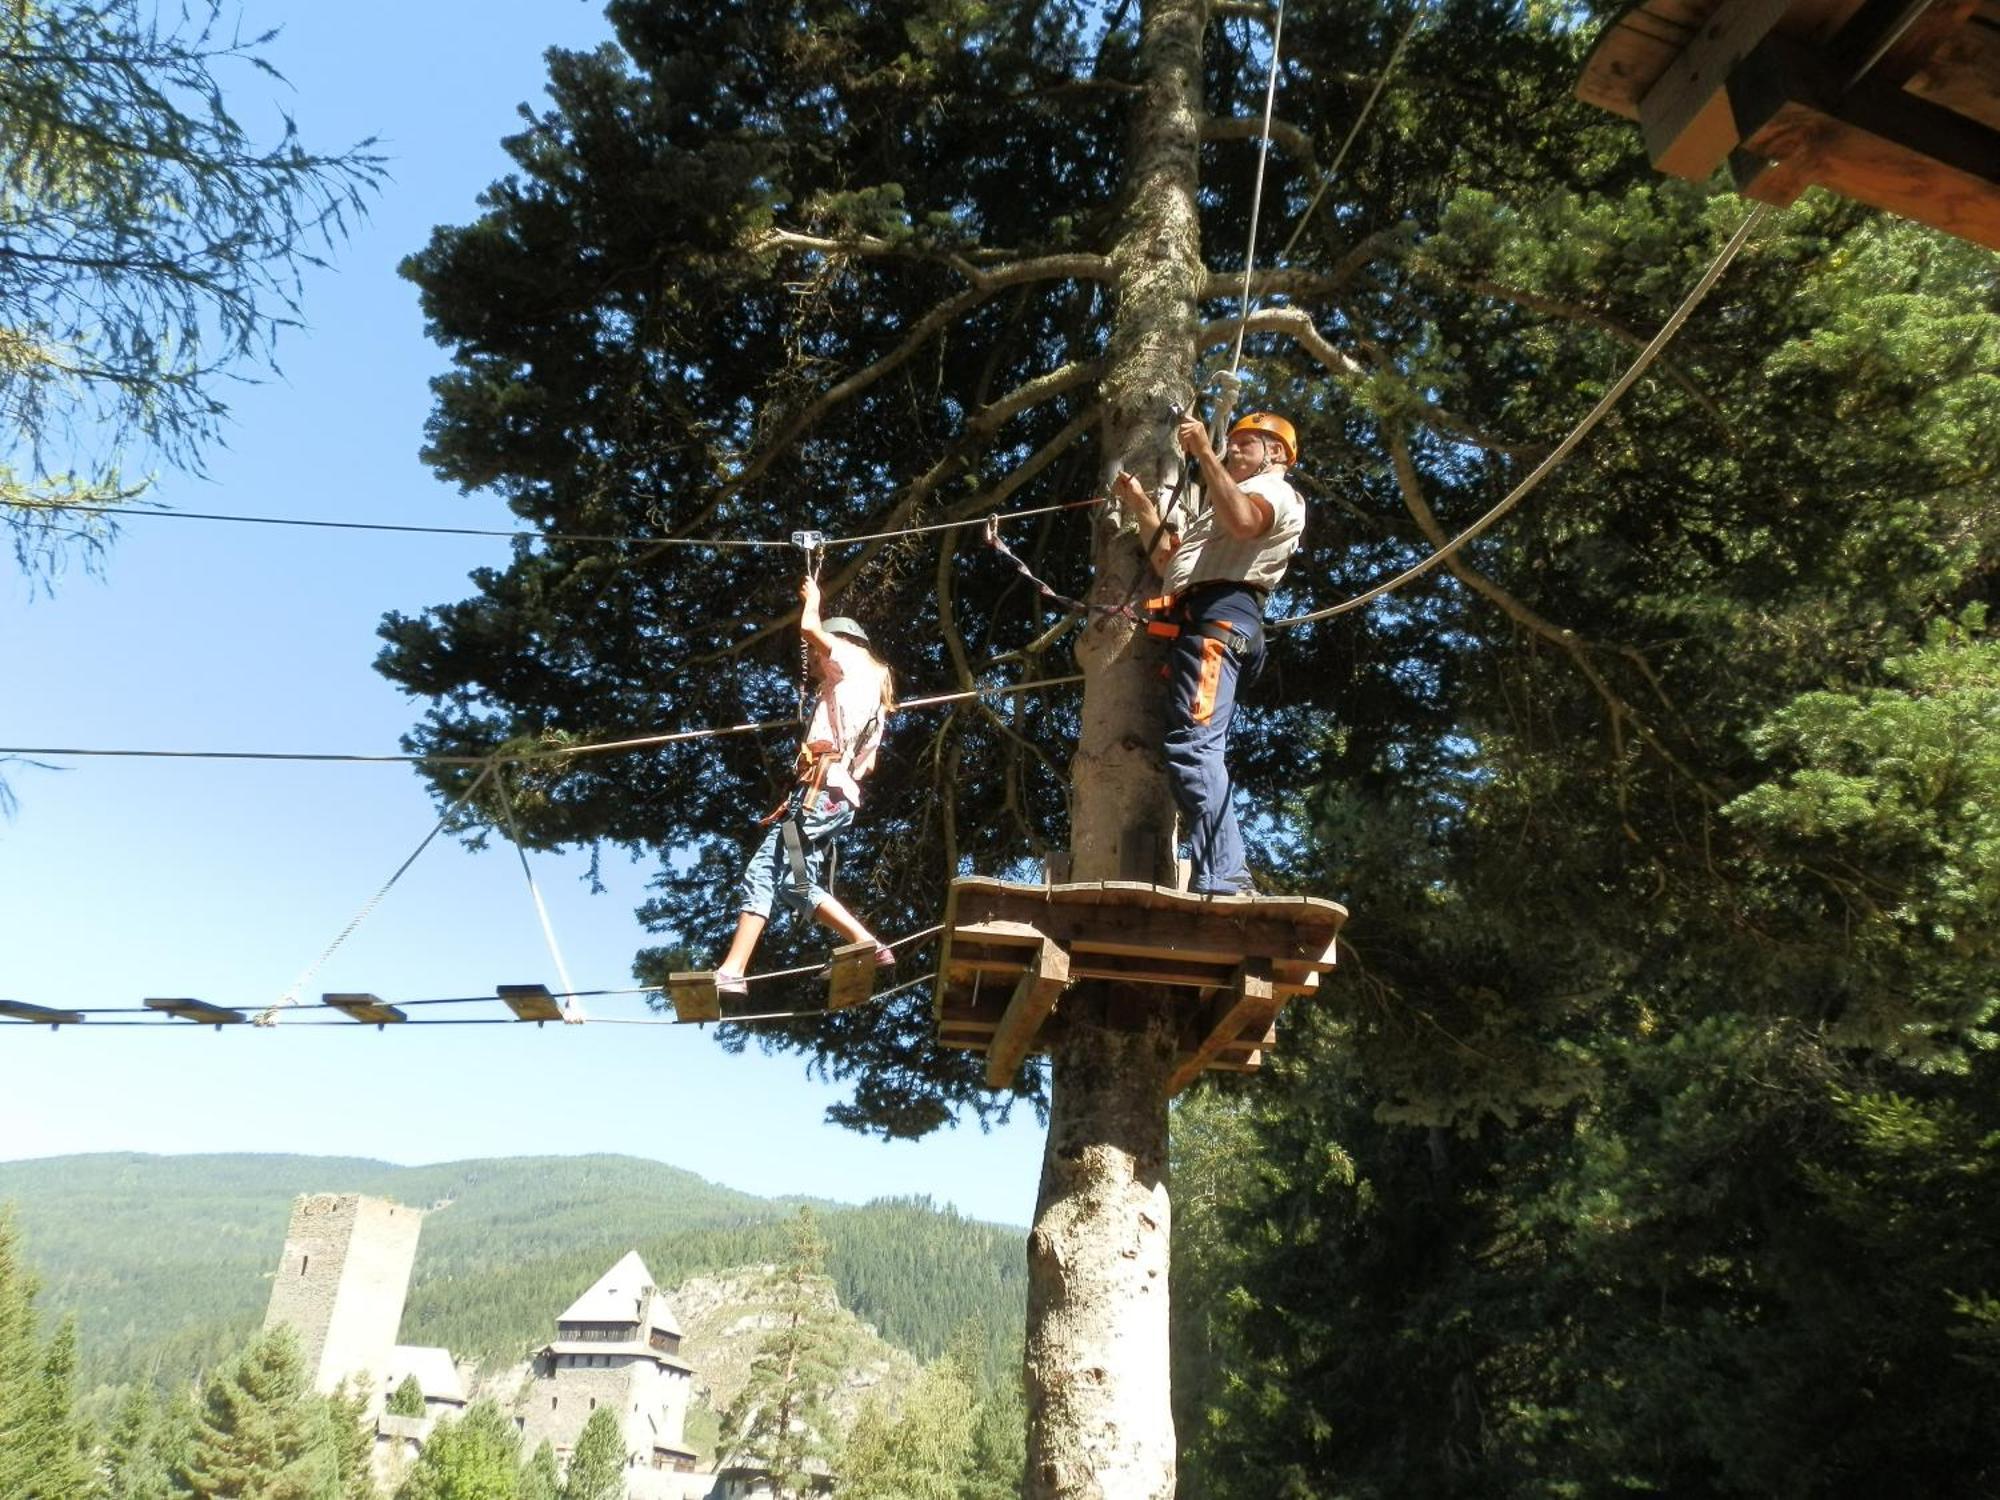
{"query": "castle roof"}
pixel 433 1367
pixel 624 1294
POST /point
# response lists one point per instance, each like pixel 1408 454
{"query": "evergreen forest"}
pixel 164 1262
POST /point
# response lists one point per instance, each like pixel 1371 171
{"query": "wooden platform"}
pixel 1011 950
pixel 1893 104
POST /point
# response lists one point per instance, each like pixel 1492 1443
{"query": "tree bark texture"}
pixel 1100 1424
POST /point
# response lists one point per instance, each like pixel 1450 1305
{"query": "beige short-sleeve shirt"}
pixel 1209 554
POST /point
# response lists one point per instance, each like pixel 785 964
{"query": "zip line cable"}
pixel 905 941
pixel 1353 131
pixel 1257 196
pixel 269 1015
pixel 1562 450
pixel 572 1014
pixel 640 742
pixel 123 512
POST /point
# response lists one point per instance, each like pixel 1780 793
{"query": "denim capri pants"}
pixel 769 878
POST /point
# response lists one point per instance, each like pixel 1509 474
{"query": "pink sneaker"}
pixel 729 982
pixel 885 956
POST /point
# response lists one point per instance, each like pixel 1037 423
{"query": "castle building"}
pixel 618 1345
pixel 341 1283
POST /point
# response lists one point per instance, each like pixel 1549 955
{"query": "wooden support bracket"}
pixel 530 1002
pixel 20 1010
pixel 367 1009
pixel 851 977
pixel 1035 994
pixel 1685 116
pixel 694 997
pixel 1249 1005
pixel 1873 142
pixel 200 1011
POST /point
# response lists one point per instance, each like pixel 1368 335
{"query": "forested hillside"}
pixel 164 1260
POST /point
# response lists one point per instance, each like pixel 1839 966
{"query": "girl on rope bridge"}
pixel 857 693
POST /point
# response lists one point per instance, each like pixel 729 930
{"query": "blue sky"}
pixel 121 879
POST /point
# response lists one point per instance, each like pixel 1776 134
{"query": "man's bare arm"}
pixel 1243 515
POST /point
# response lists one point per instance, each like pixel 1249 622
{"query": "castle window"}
pixel 304 1261
pixel 593 1403
pixel 552 1402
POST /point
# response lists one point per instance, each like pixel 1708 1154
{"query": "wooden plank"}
pixel 1685 116
pixel 20 1010
pixel 1231 931
pixel 693 994
pixel 1878 144
pixel 364 1008
pixel 1250 1003
pixel 1124 970
pixel 851 976
pixel 1961 73
pixel 199 1011
pixel 1044 979
pixel 530 1002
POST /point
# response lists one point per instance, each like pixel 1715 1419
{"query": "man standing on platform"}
pixel 1217 570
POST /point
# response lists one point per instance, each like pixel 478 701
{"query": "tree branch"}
pixel 1297 144
pixel 1619 710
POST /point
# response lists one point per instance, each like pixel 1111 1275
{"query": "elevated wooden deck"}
pixel 1011 950
pixel 1895 103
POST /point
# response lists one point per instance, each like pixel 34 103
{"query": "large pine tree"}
pixel 263 1433
pixel 771 265
pixel 781 1421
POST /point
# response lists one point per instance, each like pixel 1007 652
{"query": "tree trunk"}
pixel 1099 1419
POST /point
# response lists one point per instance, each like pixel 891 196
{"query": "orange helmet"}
pixel 1271 425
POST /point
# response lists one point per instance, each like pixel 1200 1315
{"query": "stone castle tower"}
pixel 618 1345
pixel 341 1282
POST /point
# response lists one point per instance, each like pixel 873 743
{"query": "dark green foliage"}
pixel 597 1463
pixel 262 1434
pixel 407 1400
pixel 43 1445
pixel 169 1254
pixel 138 1459
pixel 354 1442
pixel 475 1456
pixel 1646 1144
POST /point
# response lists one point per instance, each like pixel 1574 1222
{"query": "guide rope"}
pixel 572 1013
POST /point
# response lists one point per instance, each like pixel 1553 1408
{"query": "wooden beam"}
pixel 1685 116
pixel 1045 978
pixel 694 996
pixel 1876 143
pixel 364 1008
pixel 20 1010
pixel 851 976
pixel 1250 1005
pixel 530 1002
pixel 200 1011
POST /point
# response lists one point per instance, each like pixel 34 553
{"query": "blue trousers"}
pixel 1221 645
pixel 769 878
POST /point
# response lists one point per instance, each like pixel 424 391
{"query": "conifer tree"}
pixel 780 1421
pixel 135 1468
pixel 354 1442
pixel 63 1464
pixel 598 1462
pixel 262 1433
pixel 19 1358
pixel 407 1400
pixel 476 1456
pixel 541 1479
pixel 153 247
pixel 919 262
